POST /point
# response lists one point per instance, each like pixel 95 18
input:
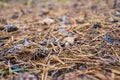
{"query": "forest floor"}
pixel 60 40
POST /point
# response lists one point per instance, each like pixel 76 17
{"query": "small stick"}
pixel 106 1
pixel 115 4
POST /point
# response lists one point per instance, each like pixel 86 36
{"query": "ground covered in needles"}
pixel 60 40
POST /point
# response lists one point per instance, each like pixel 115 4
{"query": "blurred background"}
pixel 30 2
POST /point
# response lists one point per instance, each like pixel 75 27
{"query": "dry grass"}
pixel 57 41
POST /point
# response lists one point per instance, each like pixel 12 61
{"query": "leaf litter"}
pixel 60 40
